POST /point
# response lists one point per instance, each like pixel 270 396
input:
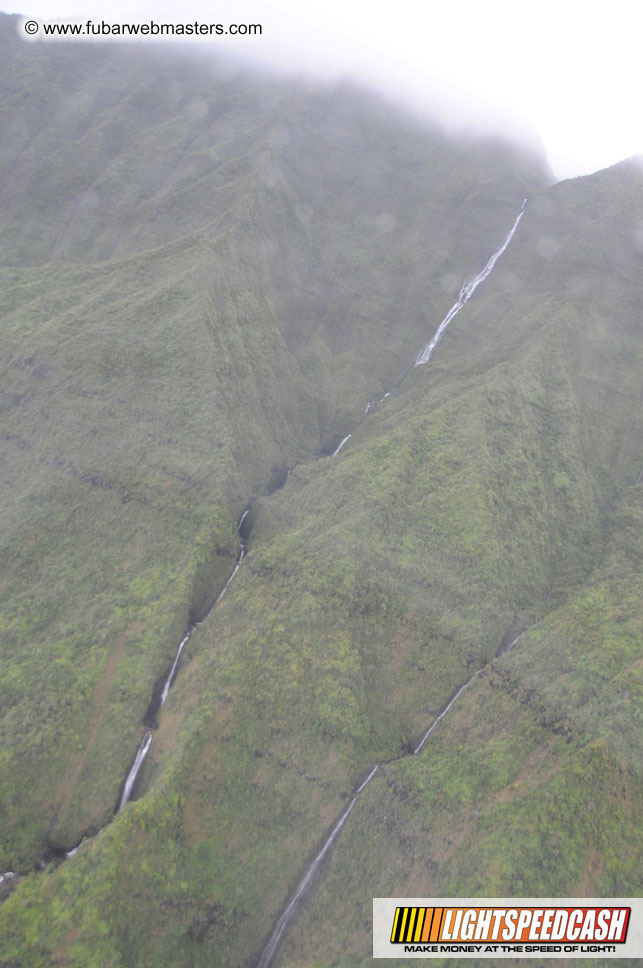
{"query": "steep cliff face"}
pixel 207 280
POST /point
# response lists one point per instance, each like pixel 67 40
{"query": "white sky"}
pixel 568 71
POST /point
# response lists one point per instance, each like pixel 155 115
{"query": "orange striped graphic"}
pixel 568 925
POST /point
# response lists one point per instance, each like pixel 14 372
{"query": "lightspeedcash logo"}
pixel 497 928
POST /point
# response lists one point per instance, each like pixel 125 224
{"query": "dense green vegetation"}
pixel 205 280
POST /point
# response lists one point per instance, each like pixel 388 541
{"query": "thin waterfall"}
pixel 446 709
pixel 288 912
pixel 170 678
pixel 144 747
pixel 467 292
pixel 134 770
pixel 337 449
pixel 515 641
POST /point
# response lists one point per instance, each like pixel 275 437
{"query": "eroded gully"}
pixel 9 879
pixel 129 782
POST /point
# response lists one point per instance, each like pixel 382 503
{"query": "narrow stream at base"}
pixel 290 910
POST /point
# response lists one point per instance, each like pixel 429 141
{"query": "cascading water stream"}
pixel 134 770
pixel 288 912
pixel 337 449
pixel 467 292
pixel 291 907
pixel 517 639
pixel 11 878
pixel 446 709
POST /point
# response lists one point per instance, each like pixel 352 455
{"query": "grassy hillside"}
pixel 174 343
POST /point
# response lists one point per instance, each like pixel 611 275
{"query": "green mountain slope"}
pixel 197 297
pixel 177 333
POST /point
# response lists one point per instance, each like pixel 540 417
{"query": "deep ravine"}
pixel 137 763
pixel 9 879
pixel 290 910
